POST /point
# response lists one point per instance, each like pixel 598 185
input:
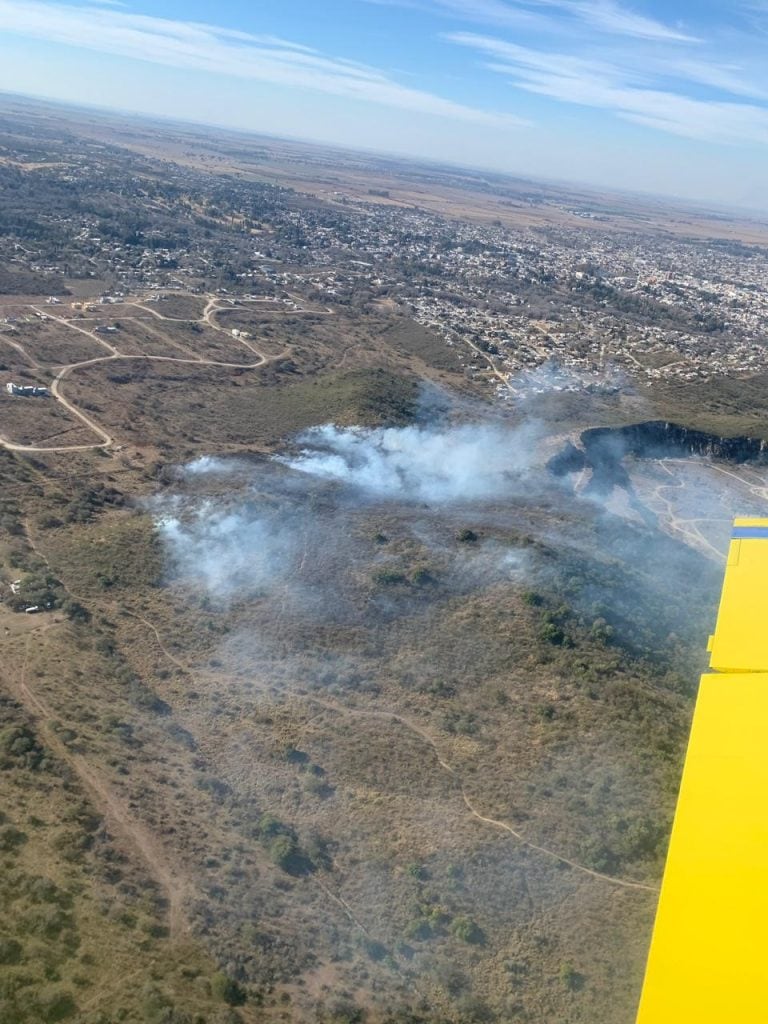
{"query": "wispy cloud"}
pixel 731 78
pixel 491 12
pixel 626 92
pixel 202 47
pixel 606 16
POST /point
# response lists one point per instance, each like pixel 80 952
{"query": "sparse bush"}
pixel 317 786
pixel 571 978
pixel 227 990
pixel 421 577
pixel 294 756
pixel 467 930
pixel 376 950
pixel 454 981
pixel 418 871
pixel 156 1005
pixel 48 522
pixel 461 725
pixel 316 848
pixel 48 921
pixel 43 890
pixel 75 612
pixel 389 577
pixel 601 631
pixel 343 1011
pixel 11 838
pixel 216 787
pixel 11 951
pixel 72 845
pixel 269 827
pixel 474 1011
pixel 54 1004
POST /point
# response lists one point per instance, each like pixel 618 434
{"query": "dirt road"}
pixel 112 807
pixel 115 354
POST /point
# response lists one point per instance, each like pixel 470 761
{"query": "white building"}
pixel 26 390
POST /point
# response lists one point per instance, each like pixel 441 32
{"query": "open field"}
pixel 336 175
pixel 49 343
pixel 163 404
pixel 193 340
pixel 141 383
pixel 451 690
pixel 184 307
pixel 323 699
pixel 404 793
pixel 35 421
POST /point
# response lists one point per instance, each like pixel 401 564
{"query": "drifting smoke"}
pixel 336 533
pixel 207 465
pixel 433 465
pixel 229 551
pixel 288 520
pixel 298 524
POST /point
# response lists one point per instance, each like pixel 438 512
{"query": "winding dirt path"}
pixel 114 354
pixel 428 739
pixel 503 377
pixel 114 810
pixel 76 327
pixel 688 528
pixel 495 822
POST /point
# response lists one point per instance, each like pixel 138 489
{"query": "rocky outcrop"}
pixel 569 460
pixel 604 449
pixel 657 439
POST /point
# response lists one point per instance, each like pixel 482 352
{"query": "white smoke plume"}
pixel 287 526
pixel 228 551
pixel 436 465
pixel 207 465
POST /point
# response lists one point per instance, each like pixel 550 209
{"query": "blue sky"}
pixel 669 97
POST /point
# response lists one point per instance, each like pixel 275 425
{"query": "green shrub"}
pixel 467 930
pixel 11 838
pixel 227 990
pixel 419 929
pixel 284 852
pixel 54 1004
pixel 551 633
pixel 389 577
pixel 571 978
pixel 11 951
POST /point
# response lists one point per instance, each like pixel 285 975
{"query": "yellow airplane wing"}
pixel 708 962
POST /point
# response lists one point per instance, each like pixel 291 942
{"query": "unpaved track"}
pixel 114 354
pixel 426 738
pixel 76 327
pixel 503 377
pixel 686 527
pixel 112 807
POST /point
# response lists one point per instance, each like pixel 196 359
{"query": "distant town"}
pixel 595 305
